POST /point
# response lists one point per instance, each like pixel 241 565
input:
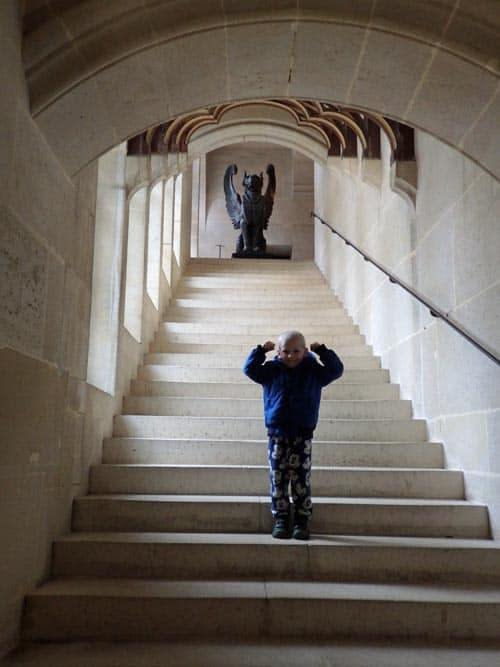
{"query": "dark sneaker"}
pixel 301 528
pixel 281 530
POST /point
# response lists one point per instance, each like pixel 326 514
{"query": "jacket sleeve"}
pixel 332 367
pixel 255 367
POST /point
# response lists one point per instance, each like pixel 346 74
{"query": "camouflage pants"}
pixel 290 464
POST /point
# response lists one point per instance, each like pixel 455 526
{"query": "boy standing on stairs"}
pixel 292 384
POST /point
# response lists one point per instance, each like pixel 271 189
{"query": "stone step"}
pixel 278 652
pixel 242 351
pixel 247 480
pixel 248 268
pixel 258 281
pixel 258 303
pixel 145 609
pixel 259 295
pixel 251 514
pixel 166 373
pixel 319 297
pixel 249 341
pixel 278 318
pixel 237 361
pixel 228 556
pixel 382 430
pixel 244 389
pixel 208 265
pixel 254 452
pixel 242 267
pixel 250 407
pixel 313 332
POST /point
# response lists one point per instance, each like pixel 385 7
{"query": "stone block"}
pixel 82 246
pixel 241 11
pixel 430 389
pixel 10 19
pixel 54 307
pixel 392 242
pixel 201 58
pixel 23 284
pixel 419 20
pixel 404 360
pixel 76 314
pixel 390 329
pixel 348 11
pixel 267 75
pixel 46 37
pixel 435 266
pixel 185 15
pixel 32 398
pixel 47 84
pixel 443 175
pixel 337 47
pixel 493 430
pixel 21 519
pixel 10 618
pixel 477 239
pixel 100 408
pixel 77 395
pixel 481 317
pixel 389 72
pixel 452 96
pixel 484 487
pixel 135 91
pixel 466 441
pixel 81 114
pixel 40 193
pixel 11 29
pixel 8 111
pixel 81 20
pixel 483 137
pixel 468 380
pixel 72 447
pixel 473 31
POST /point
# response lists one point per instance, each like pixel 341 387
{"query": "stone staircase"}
pixel 174 542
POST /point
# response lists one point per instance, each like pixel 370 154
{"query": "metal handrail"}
pixel 433 309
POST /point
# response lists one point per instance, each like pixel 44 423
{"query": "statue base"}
pixel 272 252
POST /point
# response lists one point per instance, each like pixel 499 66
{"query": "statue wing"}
pixel 233 199
pixel 269 194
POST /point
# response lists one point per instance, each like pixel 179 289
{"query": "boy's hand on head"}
pixel 314 347
pixel 268 346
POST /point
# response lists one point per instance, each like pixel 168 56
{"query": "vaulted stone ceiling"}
pixel 107 70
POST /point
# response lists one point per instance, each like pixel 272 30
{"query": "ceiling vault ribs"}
pixel 344 131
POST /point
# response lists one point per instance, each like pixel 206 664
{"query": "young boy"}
pixel 292 384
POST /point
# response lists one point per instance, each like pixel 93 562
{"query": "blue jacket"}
pixel 292 395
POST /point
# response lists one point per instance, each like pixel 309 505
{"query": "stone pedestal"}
pixel 272 252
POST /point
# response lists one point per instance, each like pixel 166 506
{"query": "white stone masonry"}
pixel 173 542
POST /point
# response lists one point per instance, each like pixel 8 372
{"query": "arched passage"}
pixel 419 66
pixel 102 71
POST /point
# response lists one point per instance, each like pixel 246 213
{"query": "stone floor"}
pixel 339 654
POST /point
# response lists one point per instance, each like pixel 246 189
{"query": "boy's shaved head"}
pixel 287 336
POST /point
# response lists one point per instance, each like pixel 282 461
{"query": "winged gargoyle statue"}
pixel 250 215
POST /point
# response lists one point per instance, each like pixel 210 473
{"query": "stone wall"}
pixel 50 421
pixel 290 223
pixel 447 247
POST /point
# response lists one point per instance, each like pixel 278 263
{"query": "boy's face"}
pixel 292 352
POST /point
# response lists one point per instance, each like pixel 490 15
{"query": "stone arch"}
pixel 265 132
pixel 421 68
